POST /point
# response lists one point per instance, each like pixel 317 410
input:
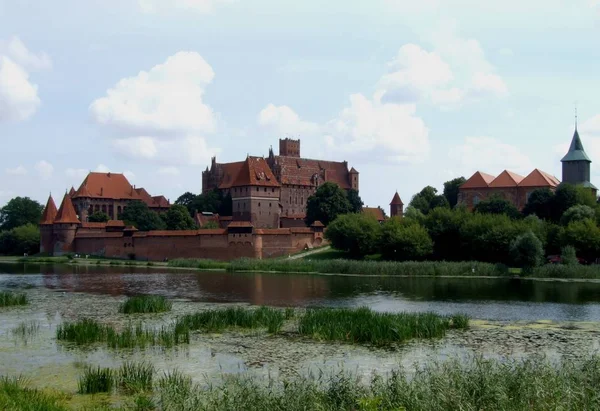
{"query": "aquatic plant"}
pixel 241 317
pixel 201 264
pixel 84 331
pixel 95 380
pixel 136 377
pixel 15 395
pixel 26 330
pixel 362 325
pixel 176 392
pixel 534 384
pixel 145 304
pixel 8 298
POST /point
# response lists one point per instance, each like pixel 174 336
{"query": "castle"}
pixel 272 192
pixel 516 188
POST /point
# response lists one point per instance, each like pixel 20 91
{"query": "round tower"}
pixel 65 227
pixel 46 227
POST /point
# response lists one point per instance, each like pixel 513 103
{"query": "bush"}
pixel 526 251
pixel 569 256
pixel 98 217
pixel 20 240
pixel 577 213
pixel 404 241
pixel 584 236
pixel 356 234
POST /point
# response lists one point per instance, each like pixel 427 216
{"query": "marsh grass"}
pixel 145 304
pixel 26 330
pixel 201 264
pixel 365 326
pixel 136 377
pixel 95 380
pixel 15 395
pixel 9 298
pixel 44 260
pixel 236 317
pixel 87 331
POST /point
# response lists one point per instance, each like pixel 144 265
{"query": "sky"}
pixel 409 93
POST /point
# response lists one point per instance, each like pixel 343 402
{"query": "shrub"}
pixel 526 251
pixel 404 241
pixel 584 236
pixel 569 256
pixel 356 234
pixel 577 213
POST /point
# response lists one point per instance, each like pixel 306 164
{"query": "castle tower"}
pixel 353 174
pixel 46 222
pixel 289 147
pixel 396 206
pixel 65 227
pixel 576 164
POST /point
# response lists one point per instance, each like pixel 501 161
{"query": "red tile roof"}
pixel 374 212
pixel 255 172
pixel 87 224
pixel 160 201
pixel 71 192
pixel 507 179
pixel 49 214
pixel 396 200
pixel 538 178
pixel 66 213
pixel 240 224
pixel 300 171
pixel 116 223
pixel 478 180
pixel 230 172
pixel 317 224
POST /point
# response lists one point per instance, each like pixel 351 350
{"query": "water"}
pixel 487 299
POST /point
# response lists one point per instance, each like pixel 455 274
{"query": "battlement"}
pixel 289 147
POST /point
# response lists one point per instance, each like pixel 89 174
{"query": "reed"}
pixel 235 317
pixel 566 271
pixel 363 325
pixel 26 330
pixel 136 377
pixel 8 299
pixel 145 304
pixel 95 380
pixel 201 264
pixel 15 395
pixel 44 260
pixel 85 331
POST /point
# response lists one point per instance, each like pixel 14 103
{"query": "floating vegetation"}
pixel 136 377
pixel 26 330
pixel 95 380
pixel 362 325
pixel 15 395
pixel 9 298
pixel 145 304
pixel 235 317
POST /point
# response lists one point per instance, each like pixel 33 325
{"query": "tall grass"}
pixel 145 304
pixel 95 380
pixel 477 384
pixel 240 317
pixel 44 260
pixel 566 271
pixel 26 330
pixel 201 264
pixel 363 325
pixel 136 377
pixel 8 298
pixel 15 395
pixel 87 331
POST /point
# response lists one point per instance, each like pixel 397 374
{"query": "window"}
pixel 257 189
pixel 265 189
pixel 272 190
pixel 475 200
pixel 527 195
pixel 259 204
pixel 270 204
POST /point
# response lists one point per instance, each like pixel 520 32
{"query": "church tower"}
pixel 576 164
pixel 396 206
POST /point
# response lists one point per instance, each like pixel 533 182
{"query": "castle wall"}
pixel 294 198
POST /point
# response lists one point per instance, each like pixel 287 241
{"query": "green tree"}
pixel 495 204
pixel 584 236
pixel 422 201
pixel 141 217
pixel 443 226
pixel 98 217
pixel 356 203
pixel 187 200
pixel 20 211
pixel 577 213
pixel 540 203
pixel 414 214
pixel 438 201
pixel 403 241
pixel 328 202
pixel 451 190
pixel 178 218
pixel 487 237
pixel 357 234
pixel 20 240
pixel 568 256
pixel 526 251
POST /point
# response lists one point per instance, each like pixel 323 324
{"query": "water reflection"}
pixel 504 299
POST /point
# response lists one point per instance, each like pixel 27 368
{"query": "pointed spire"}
pixel 49 213
pixel 396 200
pixel 576 151
pixel 71 192
pixel 66 213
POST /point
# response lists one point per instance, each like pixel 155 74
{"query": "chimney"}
pixel 101 191
pixel 108 174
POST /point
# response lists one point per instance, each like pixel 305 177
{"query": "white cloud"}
pixel 200 6
pixel 18 97
pixel 284 120
pixel 592 125
pixel 189 150
pixel 44 169
pixel 168 171
pixel 18 52
pixel 162 102
pixel 487 84
pixel 137 147
pixel 102 169
pixel 77 174
pixel 489 155
pixel 17 171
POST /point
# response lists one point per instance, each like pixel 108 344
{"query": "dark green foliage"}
pixel 210 225
pixel 551 206
pixel 212 201
pixel 145 304
pixel 178 218
pixel 201 264
pixel 141 217
pixel 526 251
pixel 20 240
pixel 451 190
pixel 497 205
pixel 8 299
pixel 413 214
pixel 487 237
pixel 14 395
pixel 404 242
pixel 219 320
pixel 577 213
pixel 20 211
pixel 585 237
pixel 98 217
pixel 357 234
pixel 569 256
pixel 362 325
pixel 328 202
pixel 95 380
pixel 422 200
pixel 540 203
pixel 443 225
pixel 356 203
pixel 136 377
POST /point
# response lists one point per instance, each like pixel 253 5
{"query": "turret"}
pixel 353 174
pixel 576 164
pixel 65 227
pixel 46 229
pixel 396 206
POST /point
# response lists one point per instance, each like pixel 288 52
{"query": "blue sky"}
pixel 409 94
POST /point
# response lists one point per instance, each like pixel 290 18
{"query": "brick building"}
pixel 278 198
pixel 110 193
pixel 516 188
